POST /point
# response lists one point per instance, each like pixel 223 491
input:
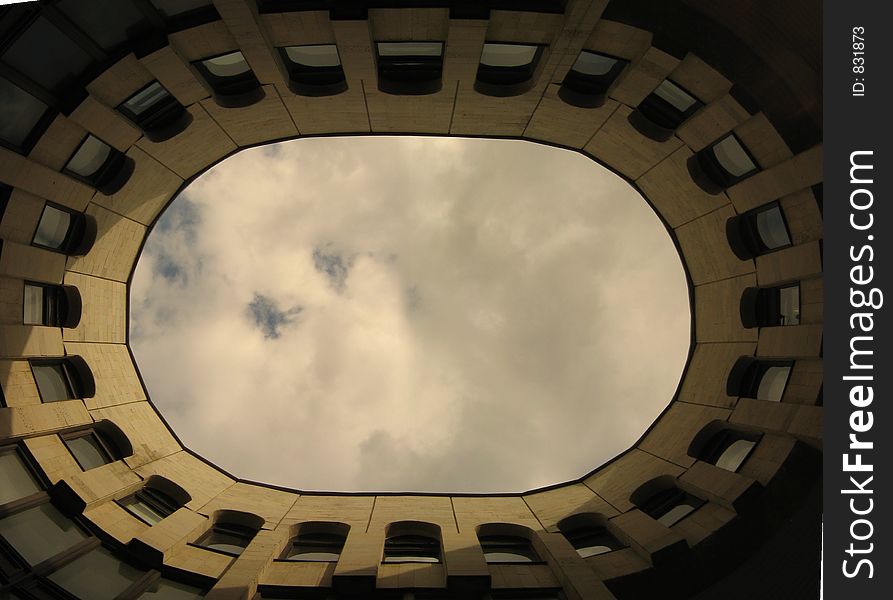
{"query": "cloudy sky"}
pixel 409 314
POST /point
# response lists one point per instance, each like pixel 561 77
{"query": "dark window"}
pixel 315 547
pixel 231 79
pixel 772 306
pixel 98 164
pixel 230 538
pixel 176 8
pixel 507 69
pixel 314 70
pixel 51 305
pixel 586 83
pixel 63 378
pixel 721 445
pixel 89 448
pixel 165 589
pixel 181 14
pixel 109 23
pixel 154 110
pixel 758 231
pixel 23 117
pixel 663 110
pixel 158 499
pixel 721 165
pixel 97 575
pixel 507 549
pixel 18 479
pixel 760 379
pixel 410 67
pixel 40 532
pixel 47 56
pixel 663 501
pixel 411 548
pixel 65 231
pixel 588 534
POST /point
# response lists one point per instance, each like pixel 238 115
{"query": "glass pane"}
pixel 33 305
pixel 89 157
pixel 773 383
pixel 227 542
pixel 589 63
pixel 97 575
pixel 40 532
pixel 21 112
pixel 52 228
pixel 790 305
pixel 164 589
pixel 411 558
pixel 108 22
pixel 142 510
pixel 142 101
pixel 46 55
pixel 300 553
pixel 314 56
pixel 172 8
pixel 507 55
pixel 51 382
pixel 588 551
pixel 771 227
pixel 732 157
pixel 227 65
pixel 676 96
pixel 88 452
pixel 734 455
pixel 675 514
pixel 18 481
pixel 410 48
pixel 506 557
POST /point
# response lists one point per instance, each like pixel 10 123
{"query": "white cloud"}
pixel 423 314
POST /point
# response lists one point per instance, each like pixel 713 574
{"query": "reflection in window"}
pixel 409 67
pixel 758 231
pixel 721 165
pixel 769 307
pixel 89 449
pixel 507 549
pixel 52 230
pixel 97 575
pixel 314 70
pixel 18 480
pixel 506 69
pixel 722 445
pixel 159 498
pixel 760 379
pixel 109 23
pixel 773 383
pixel 176 8
pixel 231 79
pixel 47 56
pixel 55 381
pixel 154 110
pixel 98 164
pixel 316 547
pixel 22 113
pixel 591 540
pixel 586 83
pixel 411 548
pixel 231 538
pixel 40 532
pixel 663 501
pixel 51 305
pixel 664 110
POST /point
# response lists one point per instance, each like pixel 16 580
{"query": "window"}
pixel 314 70
pixel 586 83
pixel 154 110
pixel 409 67
pixel 507 549
pixel 63 379
pixel 769 307
pixel 317 542
pixel 40 532
pixel 181 14
pixel 758 231
pixel 722 445
pixel 410 541
pixel 231 79
pixel 47 56
pixel 663 501
pixel 588 534
pixel 98 164
pixel 88 449
pixel 109 23
pixel 23 119
pixel 65 231
pixel 97 575
pixel 51 305
pixel 158 499
pixel 664 110
pixel 760 379
pixel 231 533
pixel 507 69
pixel 18 479
pixel 165 589
pixel 721 165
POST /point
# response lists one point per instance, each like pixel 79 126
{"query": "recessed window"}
pixel 314 70
pixel 18 480
pixel 315 547
pixel 47 56
pixel 721 165
pixel 232 80
pixel 411 548
pixel 507 69
pixel 109 23
pixel 65 231
pixel 63 378
pixel 722 445
pixel 588 534
pixel 98 164
pixel 663 501
pixel 22 116
pixel 507 549
pixel 51 305
pixel 589 78
pixel 664 110
pixel 39 533
pixel 758 231
pixel 410 67
pixel 771 307
pixel 158 499
pixel 97 575
pixel 154 110
pixel 88 449
pixel 180 14
pixel 229 538
pixel 759 379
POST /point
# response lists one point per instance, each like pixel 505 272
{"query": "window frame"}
pixel 657 118
pixel 79 237
pixel 743 235
pixel 746 377
pixel 508 81
pixel 154 499
pixel 160 121
pixel 102 445
pixel 409 74
pixel 111 175
pixel 509 544
pixel 70 379
pixel 590 91
pixel 712 442
pixel 68 306
pixel 306 80
pixel 762 306
pixel 321 542
pixel 242 532
pixel 707 172
pixel 231 91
